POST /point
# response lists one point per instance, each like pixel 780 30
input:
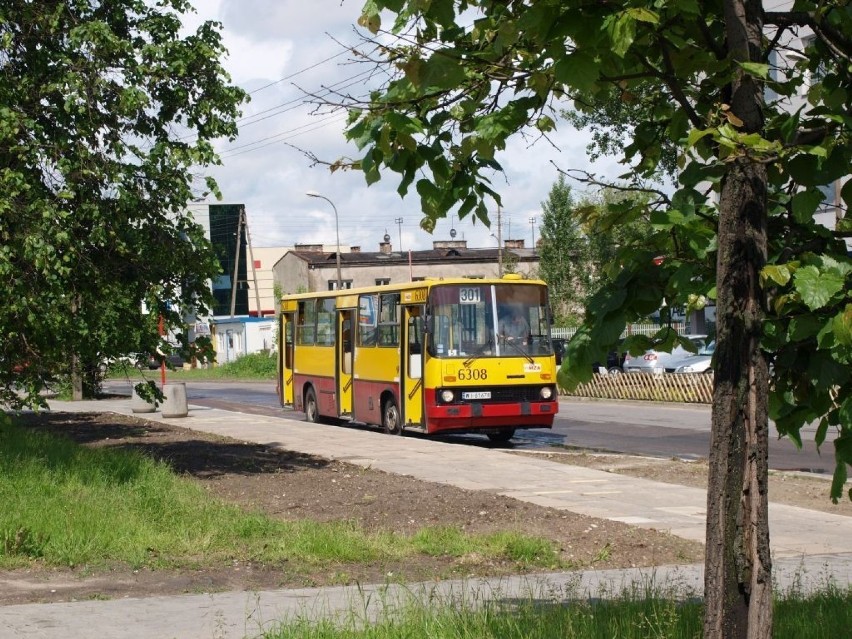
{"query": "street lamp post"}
pixel 337 232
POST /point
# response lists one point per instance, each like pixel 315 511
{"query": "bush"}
pixel 253 365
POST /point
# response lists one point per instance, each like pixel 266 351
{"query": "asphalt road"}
pixel 641 428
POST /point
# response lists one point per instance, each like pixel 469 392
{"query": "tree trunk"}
pixel 738 579
pixel 76 379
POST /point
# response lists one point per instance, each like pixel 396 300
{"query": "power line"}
pixel 299 72
pixel 229 152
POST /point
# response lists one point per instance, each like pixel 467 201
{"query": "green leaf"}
pixel 430 198
pixel 842 328
pixel 756 68
pixel 641 14
pixel 778 273
pixel 805 203
pixel 441 71
pixel 817 288
pixel 843 455
pixel 804 327
pixel 369 18
pixel 578 70
pixel 622 31
pixel 698 134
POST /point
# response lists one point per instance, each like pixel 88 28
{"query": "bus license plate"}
pixel 477 395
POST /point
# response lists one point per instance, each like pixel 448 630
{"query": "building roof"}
pixel 439 255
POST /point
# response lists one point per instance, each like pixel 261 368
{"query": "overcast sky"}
pixel 276 48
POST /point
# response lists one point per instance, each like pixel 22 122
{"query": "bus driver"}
pixel 514 328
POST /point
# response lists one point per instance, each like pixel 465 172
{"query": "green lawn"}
pixel 67 505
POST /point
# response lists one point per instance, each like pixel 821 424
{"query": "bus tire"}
pixel 502 437
pixel 391 419
pixel 311 407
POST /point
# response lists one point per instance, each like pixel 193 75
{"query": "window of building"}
pixel 382 281
pixel 332 284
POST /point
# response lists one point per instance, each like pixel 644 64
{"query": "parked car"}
pixel 559 348
pixel 656 362
pixel 172 358
pixel 614 363
pixel 700 363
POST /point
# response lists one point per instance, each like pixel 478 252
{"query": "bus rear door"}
pixel 285 380
pixel 411 391
pixel 345 355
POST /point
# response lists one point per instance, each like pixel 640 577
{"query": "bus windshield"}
pixel 488 320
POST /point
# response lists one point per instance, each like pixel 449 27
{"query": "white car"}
pixel 700 363
pixel 656 362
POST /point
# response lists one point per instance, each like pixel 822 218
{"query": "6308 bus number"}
pixel 472 373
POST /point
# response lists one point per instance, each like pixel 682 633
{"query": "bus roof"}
pixel 428 282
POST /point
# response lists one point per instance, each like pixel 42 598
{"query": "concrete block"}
pixel 175 404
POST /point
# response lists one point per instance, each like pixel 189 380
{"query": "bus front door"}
pixel 285 363
pixel 345 355
pixel 411 392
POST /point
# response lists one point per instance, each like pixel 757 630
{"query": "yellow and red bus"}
pixel 428 356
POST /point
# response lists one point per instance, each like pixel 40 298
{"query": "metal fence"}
pixel 632 329
pixel 691 388
pixel 695 388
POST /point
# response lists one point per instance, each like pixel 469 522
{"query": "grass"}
pixel 253 367
pixel 64 504
pixel 633 615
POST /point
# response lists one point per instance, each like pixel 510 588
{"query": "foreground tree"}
pixel 106 111
pixel 467 74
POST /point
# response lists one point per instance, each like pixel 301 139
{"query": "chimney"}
pixel 449 244
pixel 385 246
pixel 309 248
pixel 354 249
pixel 513 244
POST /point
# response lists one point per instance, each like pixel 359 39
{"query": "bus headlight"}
pixel 546 392
pixel 447 396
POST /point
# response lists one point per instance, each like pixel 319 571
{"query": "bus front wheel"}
pixel 502 437
pixel 311 408
pixel 391 419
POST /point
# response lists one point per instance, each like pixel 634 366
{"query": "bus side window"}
pixel 415 336
pixel 367 320
pixel 389 320
pixel 415 350
pixel 306 330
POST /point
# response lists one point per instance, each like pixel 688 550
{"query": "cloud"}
pixel 279 49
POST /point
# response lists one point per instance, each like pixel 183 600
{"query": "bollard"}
pixel 174 404
pixel 139 405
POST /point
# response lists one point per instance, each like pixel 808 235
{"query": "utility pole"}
pixel 532 228
pixel 398 222
pixel 499 241
pixel 236 264
pixel 251 260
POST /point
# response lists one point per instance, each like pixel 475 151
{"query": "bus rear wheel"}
pixel 311 408
pixel 502 437
pixel 391 420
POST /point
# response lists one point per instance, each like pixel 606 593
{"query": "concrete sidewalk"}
pixel 809 547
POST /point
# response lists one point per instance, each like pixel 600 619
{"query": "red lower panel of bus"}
pixel 472 416
pixel 325 390
pixel 367 399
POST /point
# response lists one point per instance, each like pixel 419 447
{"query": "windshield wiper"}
pixel 521 350
pixel 479 351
